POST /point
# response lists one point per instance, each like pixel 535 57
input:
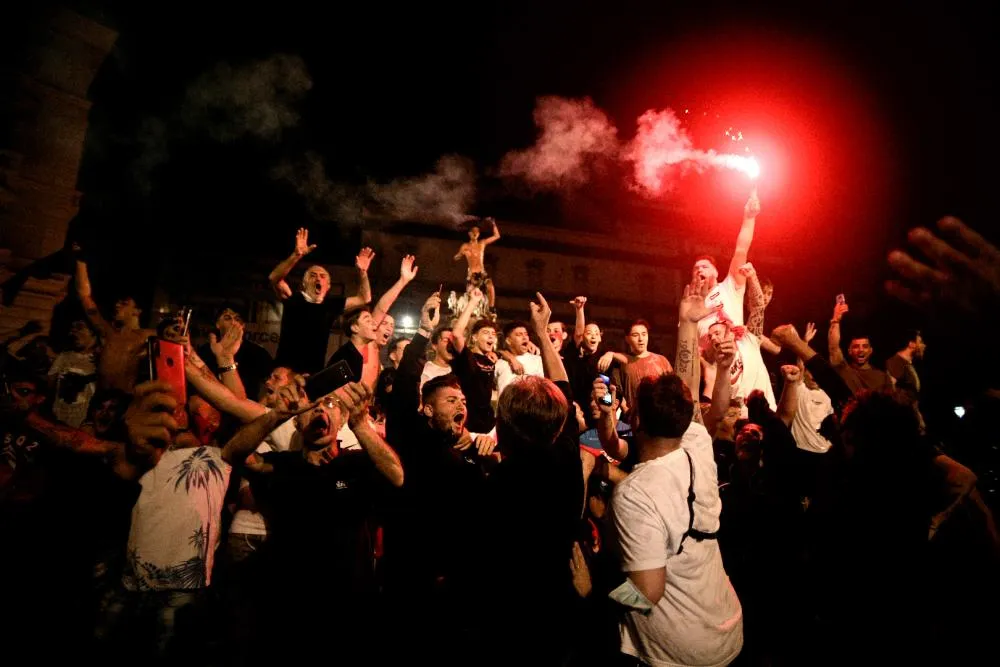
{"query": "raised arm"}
pixel 280 272
pixel 551 362
pixel 688 365
pixel 458 330
pixel 722 388
pixel 364 295
pixel 607 431
pixel 833 337
pixel 405 397
pixel 83 291
pixel 789 403
pixel 407 272
pixel 827 378
pixel 290 401
pixel 213 391
pixel 581 319
pixel 745 237
pixel 756 304
pixel 495 236
pixel 355 398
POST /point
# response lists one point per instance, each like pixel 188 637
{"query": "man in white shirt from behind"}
pixel 813 407
pixel 517 363
pixel 683 609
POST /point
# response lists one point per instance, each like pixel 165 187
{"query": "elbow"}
pixel 397 477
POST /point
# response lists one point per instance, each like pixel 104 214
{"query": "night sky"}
pixel 873 120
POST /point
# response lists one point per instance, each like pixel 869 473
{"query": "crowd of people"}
pixel 497 493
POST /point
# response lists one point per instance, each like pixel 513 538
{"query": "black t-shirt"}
pixel 318 519
pixel 255 364
pixel 475 373
pixel 305 332
pixel 352 355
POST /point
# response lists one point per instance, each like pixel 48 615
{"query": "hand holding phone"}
pixel 607 399
pixel 166 363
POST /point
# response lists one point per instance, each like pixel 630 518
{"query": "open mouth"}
pixel 459 418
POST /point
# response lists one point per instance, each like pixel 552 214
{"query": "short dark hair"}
pixel 559 322
pixel 437 333
pixel 859 336
pixel 639 322
pixel 509 328
pixel 166 321
pixel 665 406
pixel 905 337
pixel 709 258
pixel 431 386
pixel 485 323
pixel 530 414
pixel 351 317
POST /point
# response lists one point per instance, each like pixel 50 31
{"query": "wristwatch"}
pixel 226 369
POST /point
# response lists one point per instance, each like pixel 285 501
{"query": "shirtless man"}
pixel 474 251
pixel 122 339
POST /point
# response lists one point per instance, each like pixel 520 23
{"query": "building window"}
pixel 536 273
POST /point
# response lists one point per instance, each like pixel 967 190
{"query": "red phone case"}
pixel 168 366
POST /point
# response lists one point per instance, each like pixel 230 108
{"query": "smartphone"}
pixel 166 364
pixel 606 399
pixel 841 299
pixel 328 380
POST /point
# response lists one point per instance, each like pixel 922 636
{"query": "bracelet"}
pixel 834 321
pixel 226 369
pixel 424 332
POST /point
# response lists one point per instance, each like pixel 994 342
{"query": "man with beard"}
pixel 641 362
pixel 858 373
pixel 318 502
pixel 429 552
pixel 309 314
pixel 122 340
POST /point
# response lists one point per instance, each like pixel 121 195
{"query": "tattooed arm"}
pixel 67 437
pixel 756 305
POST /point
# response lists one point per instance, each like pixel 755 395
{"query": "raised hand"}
pixel 692 307
pixel 810 332
pixel 431 305
pixel 476 295
pixel 355 398
pixel 752 208
pixel 364 259
pixel 149 419
pixel 791 373
pixel 407 270
pixel 485 445
pixel 599 391
pixel 785 334
pixel 579 302
pixel 225 349
pixel 725 354
pixel 839 311
pixel 302 246
pixel 964 275
pixel 748 270
pixel 541 313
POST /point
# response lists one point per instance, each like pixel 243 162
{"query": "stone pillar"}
pixel 45 116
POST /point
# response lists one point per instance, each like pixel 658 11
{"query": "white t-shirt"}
pixel 814 407
pixel 176 521
pixel 532 366
pixel 282 439
pixel 699 619
pixel 748 371
pixel 431 371
pixel 730 297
